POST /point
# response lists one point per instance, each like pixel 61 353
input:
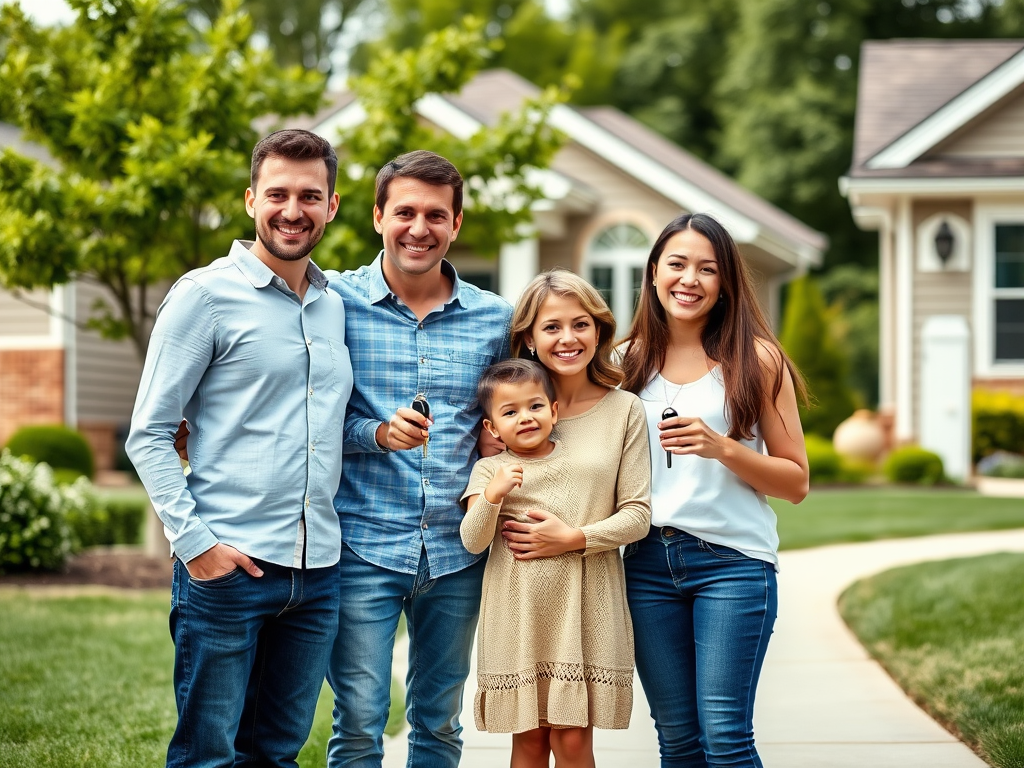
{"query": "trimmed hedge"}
pixel 53 444
pixel 997 423
pixel 912 464
pixel 828 466
pixel 111 522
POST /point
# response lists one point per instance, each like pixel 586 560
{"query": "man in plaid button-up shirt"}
pixel 412 328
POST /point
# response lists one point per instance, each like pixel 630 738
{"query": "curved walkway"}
pixel 822 702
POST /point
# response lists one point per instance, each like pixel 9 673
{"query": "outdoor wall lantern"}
pixel 944 242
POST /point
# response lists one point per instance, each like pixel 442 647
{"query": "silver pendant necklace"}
pixel 670 402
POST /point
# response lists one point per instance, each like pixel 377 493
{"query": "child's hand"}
pixel 504 481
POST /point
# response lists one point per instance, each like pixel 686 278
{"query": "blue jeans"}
pixel 441 617
pixel 249 661
pixel 702 616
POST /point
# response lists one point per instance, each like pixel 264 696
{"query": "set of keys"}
pixel 421 406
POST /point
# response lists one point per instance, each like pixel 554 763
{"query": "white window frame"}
pixel 622 261
pixel 985 292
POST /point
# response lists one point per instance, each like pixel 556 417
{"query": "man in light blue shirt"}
pixel 251 351
pixel 414 328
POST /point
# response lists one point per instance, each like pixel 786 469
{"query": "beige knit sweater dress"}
pixel 555 642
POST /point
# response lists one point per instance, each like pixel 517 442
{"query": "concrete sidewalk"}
pixel 822 702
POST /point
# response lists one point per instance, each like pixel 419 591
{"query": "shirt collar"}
pixel 259 274
pixel 379 290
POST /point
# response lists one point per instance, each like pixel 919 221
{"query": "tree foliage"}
pixel 808 340
pixel 150 127
pixel 496 161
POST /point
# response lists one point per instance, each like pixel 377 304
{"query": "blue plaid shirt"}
pixel 395 505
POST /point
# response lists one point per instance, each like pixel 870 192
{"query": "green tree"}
pixel 298 32
pixel 152 128
pixel 851 293
pixel 496 160
pixel 528 41
pixel 808 340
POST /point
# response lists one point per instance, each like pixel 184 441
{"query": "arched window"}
pixel 614 264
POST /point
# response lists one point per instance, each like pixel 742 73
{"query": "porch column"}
pixel 518 264
pixel 904 322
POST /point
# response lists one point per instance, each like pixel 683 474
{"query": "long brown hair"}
pixel 602 369
pixel 734 327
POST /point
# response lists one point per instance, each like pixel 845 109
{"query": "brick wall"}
pixel 31 389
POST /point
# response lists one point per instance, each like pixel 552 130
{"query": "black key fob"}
pixel 420 405
pixel 668 413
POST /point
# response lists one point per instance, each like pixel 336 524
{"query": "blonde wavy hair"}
pixel 602 369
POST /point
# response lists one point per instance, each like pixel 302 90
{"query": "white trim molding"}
pixel 930 187
pixel 952 116
pixel 904 321
pixel 986 218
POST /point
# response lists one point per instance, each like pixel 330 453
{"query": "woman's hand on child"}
pixel 548 537
pixel 684 435
pixel 505 480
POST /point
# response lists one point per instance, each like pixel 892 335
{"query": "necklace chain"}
pixel 671 403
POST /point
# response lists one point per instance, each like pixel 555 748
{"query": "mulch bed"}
pixel 113 568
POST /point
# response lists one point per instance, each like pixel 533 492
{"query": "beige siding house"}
pixel 938 171
pixel 609 193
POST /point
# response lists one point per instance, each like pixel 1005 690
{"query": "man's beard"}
pixel 267 238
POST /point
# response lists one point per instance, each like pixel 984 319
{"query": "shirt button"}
pixel 308 341
pixel 310 391
pixel 311 448
pixel 423 360
pixel 420 326
pixel 426 481
pixel 424 526
pixel 307 501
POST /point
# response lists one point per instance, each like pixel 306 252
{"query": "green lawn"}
pixel 952 635
pixel 843 515
pixel 85 682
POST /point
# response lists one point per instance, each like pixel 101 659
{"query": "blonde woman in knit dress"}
pixel 555 640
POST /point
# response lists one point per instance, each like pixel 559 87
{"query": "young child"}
pixel 555 646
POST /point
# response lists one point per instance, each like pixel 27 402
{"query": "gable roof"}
pixel 630 146
pixel 913 94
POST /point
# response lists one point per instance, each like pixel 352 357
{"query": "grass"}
pixel 830 516
pixel 952 635
pixel 86 682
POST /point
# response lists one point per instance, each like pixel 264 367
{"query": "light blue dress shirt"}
pixel 395 505
pixel 263 379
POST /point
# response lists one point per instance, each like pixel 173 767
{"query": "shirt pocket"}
pixel 460 380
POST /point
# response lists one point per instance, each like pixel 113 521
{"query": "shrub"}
pixel 34 511
pixel 56 445
pixel 1002 464
pixel 824 462
pixel 997 423
pixel 111 522
pixel 808 338
pixel 912 464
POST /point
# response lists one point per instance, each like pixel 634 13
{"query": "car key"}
pixel 668 413
pixel 420 405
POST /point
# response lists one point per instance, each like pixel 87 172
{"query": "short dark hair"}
pixel 515 370
pixel 424 166
pixel 295 144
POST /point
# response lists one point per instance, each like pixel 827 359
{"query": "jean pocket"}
pixel 217 581
pixel 721 551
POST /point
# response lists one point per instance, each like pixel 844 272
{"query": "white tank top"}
pixel 701 496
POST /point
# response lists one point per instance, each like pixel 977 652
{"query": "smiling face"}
pixel 686 278
pixel 418 226
pixel 522 416
pixel 291 207
pixel 564 336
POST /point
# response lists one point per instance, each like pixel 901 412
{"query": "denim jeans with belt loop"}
pixel 250 655
pixel 702 616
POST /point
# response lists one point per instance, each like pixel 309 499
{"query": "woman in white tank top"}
pixel 721 402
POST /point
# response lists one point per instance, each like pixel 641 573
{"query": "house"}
pixel 609 192
pixel 938 171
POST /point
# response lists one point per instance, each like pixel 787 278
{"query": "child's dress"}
pixel 555 641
